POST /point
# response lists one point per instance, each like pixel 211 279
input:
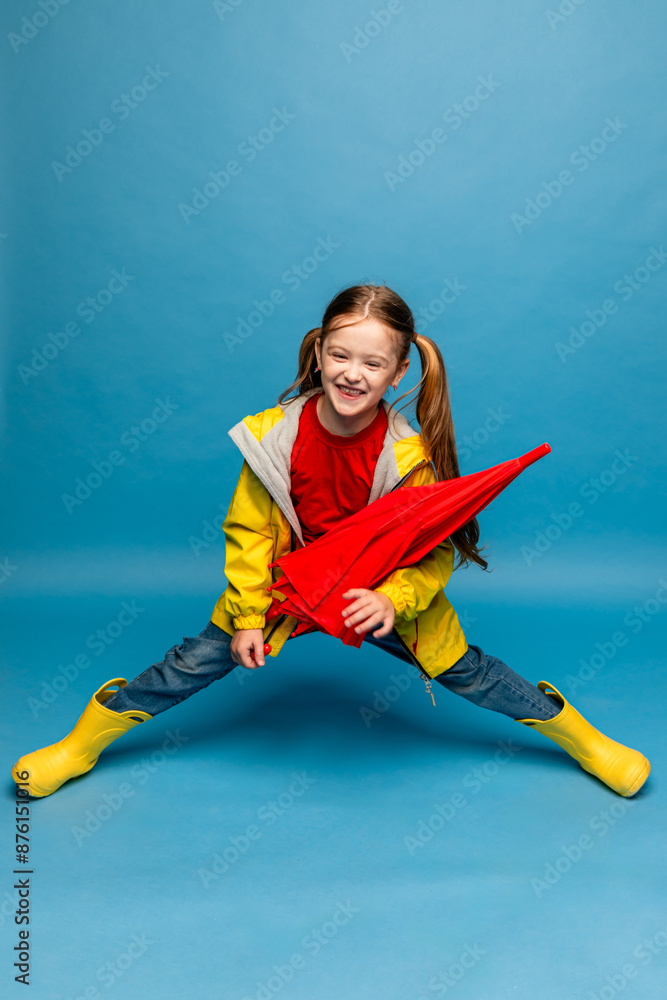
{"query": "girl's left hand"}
pixel 370 609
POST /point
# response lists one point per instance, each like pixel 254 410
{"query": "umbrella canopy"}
pixel 393 532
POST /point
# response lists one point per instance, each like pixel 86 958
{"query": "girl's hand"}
pixel 370 608
pixel 245 643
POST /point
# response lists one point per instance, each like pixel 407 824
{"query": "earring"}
pixel 317 369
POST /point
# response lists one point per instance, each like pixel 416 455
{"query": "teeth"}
pixel 351 392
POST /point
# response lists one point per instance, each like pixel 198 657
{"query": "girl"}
pixel 308 463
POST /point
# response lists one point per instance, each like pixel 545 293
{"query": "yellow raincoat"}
pixel 261 522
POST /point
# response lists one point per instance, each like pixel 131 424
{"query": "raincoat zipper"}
pixel 425 677
pixel 407 474
pixel 281 618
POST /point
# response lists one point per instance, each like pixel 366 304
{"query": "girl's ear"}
pixel 402 369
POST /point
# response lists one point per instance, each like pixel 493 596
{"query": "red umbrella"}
pixel 393 532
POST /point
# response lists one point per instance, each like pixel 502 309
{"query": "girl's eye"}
pixel 341 357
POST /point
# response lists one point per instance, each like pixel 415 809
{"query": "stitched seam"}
pixel 508 682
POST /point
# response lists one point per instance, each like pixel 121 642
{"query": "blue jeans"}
pixel 198 661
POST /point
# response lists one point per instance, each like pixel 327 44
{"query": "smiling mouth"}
pixel 349 393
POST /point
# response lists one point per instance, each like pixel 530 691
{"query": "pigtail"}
pixel 307 378
pixel 434 415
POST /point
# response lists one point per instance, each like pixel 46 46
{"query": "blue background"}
pixel 354 114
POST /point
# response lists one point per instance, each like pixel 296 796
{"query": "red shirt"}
pixel 332 474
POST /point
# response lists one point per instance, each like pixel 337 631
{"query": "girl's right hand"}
pixel 247 647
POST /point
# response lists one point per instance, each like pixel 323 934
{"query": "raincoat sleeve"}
pixel 249 548
pixel 412 589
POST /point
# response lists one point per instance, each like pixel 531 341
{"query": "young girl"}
pixel 310 462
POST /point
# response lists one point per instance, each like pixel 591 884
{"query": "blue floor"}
pixel 268 838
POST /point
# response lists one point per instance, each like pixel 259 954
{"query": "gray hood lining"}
pixel 270 458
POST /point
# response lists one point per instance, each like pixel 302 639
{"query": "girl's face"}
pixel 358 356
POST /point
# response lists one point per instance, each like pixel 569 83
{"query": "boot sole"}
pixel 636 783
pixel 639 780
pixel 35 792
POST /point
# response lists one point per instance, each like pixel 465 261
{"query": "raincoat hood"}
pixel 266 441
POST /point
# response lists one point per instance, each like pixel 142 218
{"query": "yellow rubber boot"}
pixel 49 768
pixel 622 769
